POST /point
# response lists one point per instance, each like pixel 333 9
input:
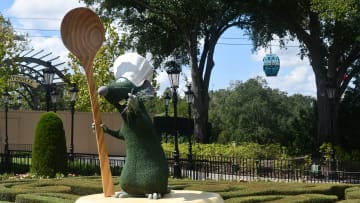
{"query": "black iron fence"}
pixel 215 168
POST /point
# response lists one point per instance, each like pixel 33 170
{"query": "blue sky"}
pixel 234 59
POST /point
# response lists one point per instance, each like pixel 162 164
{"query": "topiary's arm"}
pixel 114 133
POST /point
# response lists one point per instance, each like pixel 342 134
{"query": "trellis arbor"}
pixel 37 76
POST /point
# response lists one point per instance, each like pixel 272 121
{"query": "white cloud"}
pixel 41 9
pixel 36 18
pixel 52 44
pixel 295 75
pixel 300 80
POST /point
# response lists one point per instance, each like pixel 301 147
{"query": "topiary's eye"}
pixel 122 102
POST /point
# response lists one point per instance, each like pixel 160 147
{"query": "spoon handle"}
pixel 106 177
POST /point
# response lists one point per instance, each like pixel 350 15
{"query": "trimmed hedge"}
pixel 9 190
pixel 49 155
pixel 349 201
pixel 46 198
pixel 352 193
pixel 70 188
pixel 307 198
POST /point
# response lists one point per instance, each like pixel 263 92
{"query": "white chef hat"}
pixel 133 67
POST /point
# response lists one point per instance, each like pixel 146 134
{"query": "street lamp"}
pixel 331 92
pixel 189 100
pixel 174 70
pixel 54 95
pixel 48 74
pixel 167 101
pixel 6 96
pixel 73 93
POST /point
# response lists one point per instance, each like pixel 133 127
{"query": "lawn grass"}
pixel 70 188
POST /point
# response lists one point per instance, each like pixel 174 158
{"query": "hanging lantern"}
pixel 271 64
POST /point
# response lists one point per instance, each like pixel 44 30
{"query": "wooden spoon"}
pixel 83 34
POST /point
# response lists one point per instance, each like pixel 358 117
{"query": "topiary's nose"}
pixel 103 91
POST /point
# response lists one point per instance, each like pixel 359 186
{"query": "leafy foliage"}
pixel 49 155
pixel 10 46
pixel 328 32
pixel 253 112
pixel 68 189
pixel 242 150
pixel 336 9
pixel 175 30
pixel 103 62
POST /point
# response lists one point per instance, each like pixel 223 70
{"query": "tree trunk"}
pixel 327 110
pixel 201 106
pixel 324 116
pixel 201 115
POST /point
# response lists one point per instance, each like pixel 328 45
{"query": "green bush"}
pixel 349 201
pixel 46 198
pixel 10 194
pixel 253 199
pixel 352 193
pixel 49 155
pixel 243 150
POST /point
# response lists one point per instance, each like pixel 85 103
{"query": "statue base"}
pixel 175 196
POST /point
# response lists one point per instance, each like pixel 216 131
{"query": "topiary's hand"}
pixel 103 126
pixel 107 130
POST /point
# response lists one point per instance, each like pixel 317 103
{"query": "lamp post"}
pixel 189 100
pixel 73 93
pixel 167 101
pixel 54 95
pixel 48 74
pixel 331 92
pixel 174 71
pixel 6 96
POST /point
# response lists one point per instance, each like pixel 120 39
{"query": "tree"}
pixel 103 62
pixel 186 31
pixel 252 112
pixel 328 36
pixel 10 46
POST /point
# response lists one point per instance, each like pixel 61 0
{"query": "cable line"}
pixel 37 29
pixel 32 18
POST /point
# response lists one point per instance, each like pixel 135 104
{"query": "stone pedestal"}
pixel 175 196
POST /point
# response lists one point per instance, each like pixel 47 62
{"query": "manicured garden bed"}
pixel 35 190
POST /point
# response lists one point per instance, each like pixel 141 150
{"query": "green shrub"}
pixel 243 150
pixel 308 198
pixel 46 198
pixel 304 198
pixel 352 193
pixel 349 201
pixel 85 185
pixel 49 154
pixel 9 193
pixel 253 199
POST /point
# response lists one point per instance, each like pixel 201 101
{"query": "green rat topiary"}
pixel 146 168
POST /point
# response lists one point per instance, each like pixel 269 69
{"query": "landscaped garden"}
pixel 28 189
